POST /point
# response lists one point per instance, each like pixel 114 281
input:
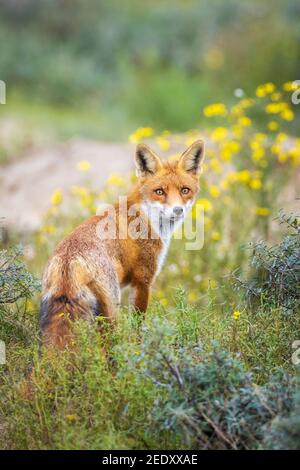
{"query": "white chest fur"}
pixel 162 228
pixel 162 255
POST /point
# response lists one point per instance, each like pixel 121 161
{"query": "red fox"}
pixel 87 270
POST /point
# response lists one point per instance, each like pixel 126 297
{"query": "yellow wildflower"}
pixel 86 198
pixel 276 108
pixel 228 149
pixel 237 131
pixel 214 191
pixel 57 197
pixel 207 223
pixel 209 284
pixel 216 236
pixel 258 154
pixel 255 183
pixel 281 137
pixel 224 184
pixel 205 167
pixel 242 105
pixel 206 204
pixel 282 156
pixel 287 115
pixel 233 177
pixel 244 121
pixel 289 86
pixel 83 165
pixel 71 418
pixel 273 125
pixel 79 191
pixel 87 202
pixel 236 314
pixel 262 211
pixel 164 302
pixel 163 142
pixel 134 138
pixel 244 176
pixel 269 87
pixel 140 133
pixel 115 180
pixel 145 131
pixel 192 297
pixel 260 136
pixel 215 165
pixel 275 148
pixel 294 153
pixel 219 133
pixel 216 109
pixel 265 89
pixel 49 229
pixel 247 102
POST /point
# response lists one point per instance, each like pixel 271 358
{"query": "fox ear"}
pixel 191 160
pixel 147 162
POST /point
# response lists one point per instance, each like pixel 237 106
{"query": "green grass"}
pixel 83 399
pixel 62 122
pixel 105 393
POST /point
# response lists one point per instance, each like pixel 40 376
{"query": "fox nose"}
pixel 178 210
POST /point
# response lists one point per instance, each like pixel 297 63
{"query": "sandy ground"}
pixel 27 184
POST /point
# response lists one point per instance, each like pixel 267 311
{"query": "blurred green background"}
pixel 102 68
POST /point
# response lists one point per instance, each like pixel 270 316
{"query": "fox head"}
pixel 169 189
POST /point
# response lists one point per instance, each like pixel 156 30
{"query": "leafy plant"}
pixel 15 281
pixel 285 430
pixel 209 400
pixel 17 287
pixel 275 273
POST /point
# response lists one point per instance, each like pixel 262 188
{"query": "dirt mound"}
pixel 27 184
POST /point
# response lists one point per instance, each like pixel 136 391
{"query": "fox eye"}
pixel 159 191
pixel 185 190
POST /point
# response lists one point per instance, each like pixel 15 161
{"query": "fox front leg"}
pixel 140 296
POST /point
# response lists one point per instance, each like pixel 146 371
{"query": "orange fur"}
pixel 85 275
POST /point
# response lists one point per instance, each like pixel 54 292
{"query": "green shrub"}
pixel 148 391
pixel 15 281
pixel 275 275
pixel 17 286
pixel 208 399
pixel 285 431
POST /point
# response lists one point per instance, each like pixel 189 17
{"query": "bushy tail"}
pixel 56 316
pixel 70 293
